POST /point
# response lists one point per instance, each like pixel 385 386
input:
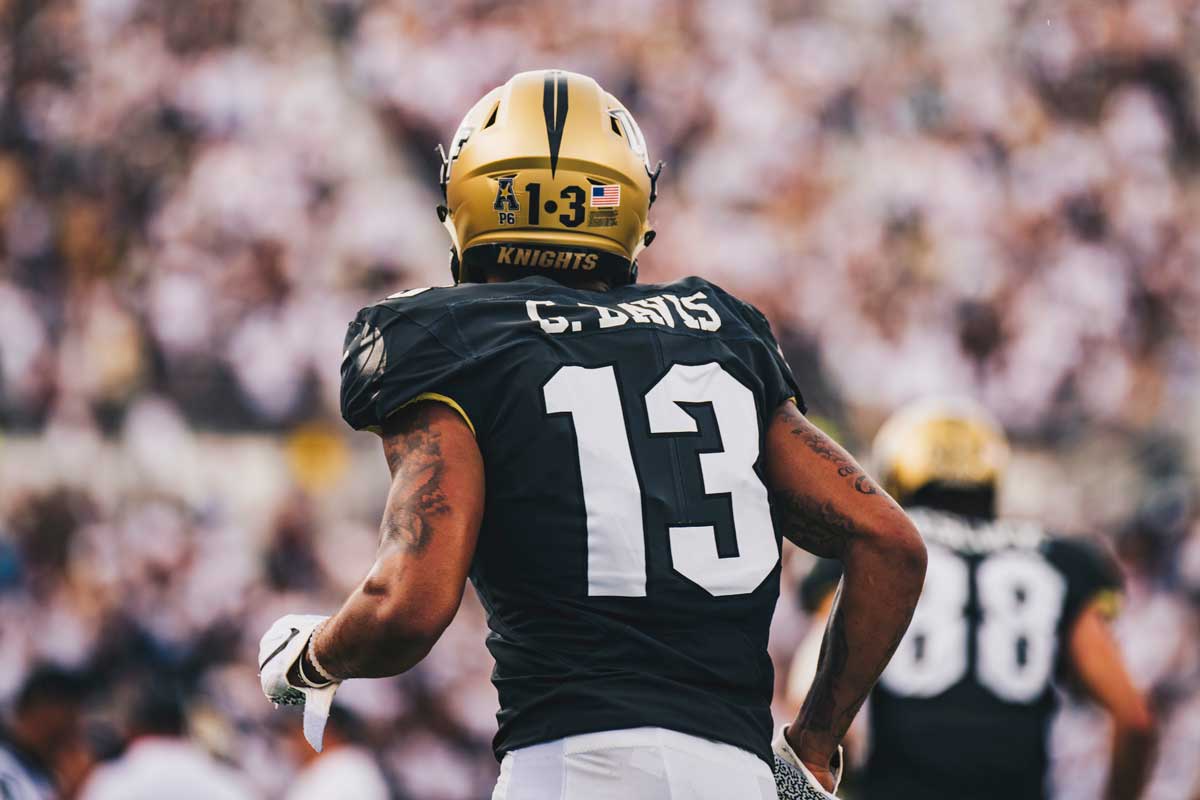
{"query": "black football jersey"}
pixel 628 562
pixel 962 710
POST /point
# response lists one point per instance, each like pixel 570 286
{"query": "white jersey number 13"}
pixel 612 490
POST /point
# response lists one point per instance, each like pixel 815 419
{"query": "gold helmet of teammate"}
pixel 951 443
pixel 548 173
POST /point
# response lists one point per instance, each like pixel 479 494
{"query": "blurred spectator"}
pixel 160 761
pixel 40 739
pixel 291 560
pixel 343 768
pixel 195 203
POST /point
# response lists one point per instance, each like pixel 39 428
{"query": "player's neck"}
pixel 974 502
pixel 594 285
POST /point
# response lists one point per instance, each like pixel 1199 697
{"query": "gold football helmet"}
pixel 953 443
pixel 548 173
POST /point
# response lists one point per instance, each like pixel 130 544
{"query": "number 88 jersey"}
pixel 963 707
pixel 628 561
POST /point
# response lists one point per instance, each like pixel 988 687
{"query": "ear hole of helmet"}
pixel 622 122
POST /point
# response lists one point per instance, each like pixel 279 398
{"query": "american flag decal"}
pixel 608 196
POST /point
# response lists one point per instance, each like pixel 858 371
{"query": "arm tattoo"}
pixel 820 526
pixel 821 712
pixel 414 455
pixel 846 467
pixel 819 705
pixel 863 485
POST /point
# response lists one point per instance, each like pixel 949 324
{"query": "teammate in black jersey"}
pixel 613 467
pixel 963 709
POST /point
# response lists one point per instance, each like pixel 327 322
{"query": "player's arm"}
pixel 1097 662
pixel 828 505
pixel 427 542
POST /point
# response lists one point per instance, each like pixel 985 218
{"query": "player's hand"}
pixel 284 680
pixel 797 780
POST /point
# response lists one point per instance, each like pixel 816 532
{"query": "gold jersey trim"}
pixel 437 398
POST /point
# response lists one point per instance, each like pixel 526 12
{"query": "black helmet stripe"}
pixel 554 107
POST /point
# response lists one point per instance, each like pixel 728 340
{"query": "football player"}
pixel 613 467
pixel 962 710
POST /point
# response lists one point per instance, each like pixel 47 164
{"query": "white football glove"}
pixel 281 646
pixel 793 780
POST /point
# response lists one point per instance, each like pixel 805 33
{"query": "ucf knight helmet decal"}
pixel 548 162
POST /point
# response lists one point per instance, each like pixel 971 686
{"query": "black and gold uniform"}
pixel 964 707
pixel 628 561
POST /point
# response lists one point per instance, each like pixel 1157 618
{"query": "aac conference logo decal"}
pixel 506 204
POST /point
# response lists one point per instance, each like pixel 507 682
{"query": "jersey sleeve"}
pixel 391 361
pixel 772 366
pixel 1090 571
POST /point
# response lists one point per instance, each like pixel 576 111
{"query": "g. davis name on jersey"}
pixel 667 310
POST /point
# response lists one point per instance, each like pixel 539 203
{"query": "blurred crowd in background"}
pixel 995 199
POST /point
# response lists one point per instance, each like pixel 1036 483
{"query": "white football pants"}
pixel 634 764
